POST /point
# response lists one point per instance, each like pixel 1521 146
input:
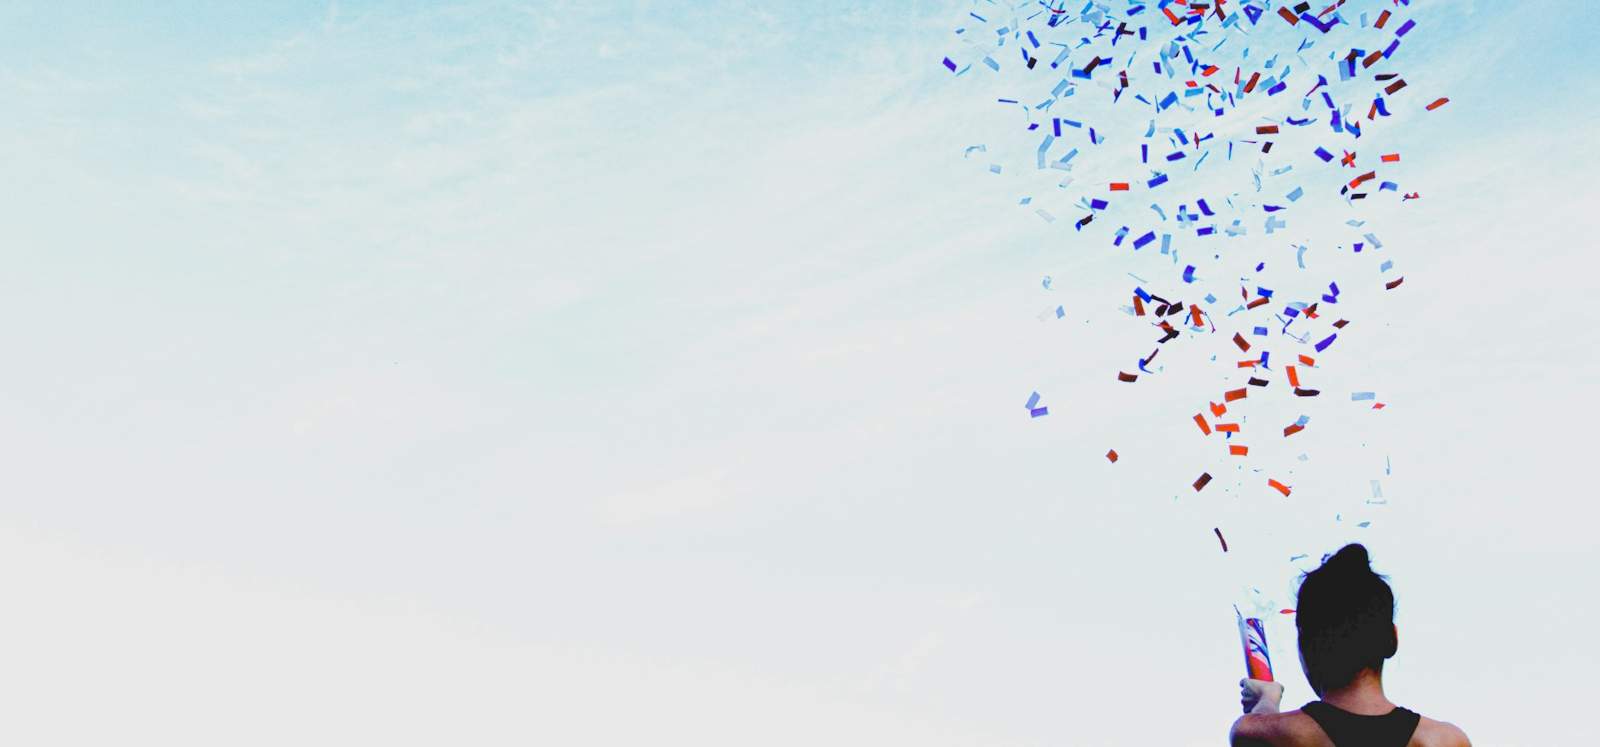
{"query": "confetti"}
pixel 1112 456
pixel 1220 539
pixel 1303 114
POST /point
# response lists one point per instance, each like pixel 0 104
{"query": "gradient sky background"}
pixel 571 373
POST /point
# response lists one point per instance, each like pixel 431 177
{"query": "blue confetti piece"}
pixel 949 64
pixel 1362 396
pixel 1040 412
pixel 1321 346
pixel 1188 274
pixel 1033 401
pixel 1140 242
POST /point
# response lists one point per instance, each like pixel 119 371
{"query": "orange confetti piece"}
pixel 1238 450
pixel 1280 487
pixel 1217 410
pixel 1112 455
pixel 1119 186
pixel 1200 482
pixel 1227 427
pixel 1236 394
pixel 1306 360
pixel 1286 611
pixel 1294 378
pixel 1441 101
pixel 1293 429
pixel 1200 420
pixel 1390 158
pixel 1252 363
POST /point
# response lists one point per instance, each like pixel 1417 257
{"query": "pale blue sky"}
pixel 564 373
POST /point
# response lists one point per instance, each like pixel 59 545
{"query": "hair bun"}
pixel 1350 557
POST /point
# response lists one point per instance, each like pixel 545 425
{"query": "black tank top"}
pixel 1346 729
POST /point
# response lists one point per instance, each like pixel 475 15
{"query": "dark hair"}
pixel 1345 615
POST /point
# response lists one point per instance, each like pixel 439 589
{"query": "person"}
pixel 1345 617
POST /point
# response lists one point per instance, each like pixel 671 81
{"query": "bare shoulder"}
pixel 1287 729
pixel 1431 733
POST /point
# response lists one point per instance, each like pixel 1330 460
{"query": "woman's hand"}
pixel 1260 696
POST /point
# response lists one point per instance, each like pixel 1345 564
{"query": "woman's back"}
pixel 1321 725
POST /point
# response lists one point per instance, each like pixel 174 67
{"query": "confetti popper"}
pixel 1253 639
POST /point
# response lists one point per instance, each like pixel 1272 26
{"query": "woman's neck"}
pixel 1363 696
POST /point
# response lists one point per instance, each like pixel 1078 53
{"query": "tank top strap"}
pixel 1345 729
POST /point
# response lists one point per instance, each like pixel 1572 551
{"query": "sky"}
pixel 567 373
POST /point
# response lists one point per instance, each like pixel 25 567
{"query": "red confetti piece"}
pixel 1235 395
pixel 1220 539
pixel 1294 378
pixel 1280 487
pixel 1306 360
pixel 1239 340
pixel 1267 130
pixel 1112 455
pixel 1119 186
pixel 1292 429
pixel 1441 101
pixel 1390 157
pixel 1127 377
pixel 1238 450
pixel 1285 611
pixel 1392 284
pixel 1227 427
pixel 1200 420
pixel 1201 481
pixel 1218 410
